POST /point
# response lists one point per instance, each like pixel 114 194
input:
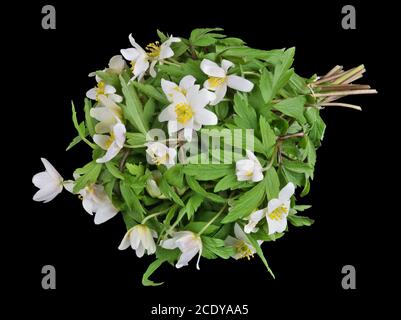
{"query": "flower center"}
pixel 216 81
pixel 278 213
pixel 182 90
pixel 153 49
pixel 184 112
pixel 100 89
pixel 132 63
pixel 110 140
pixel 243 250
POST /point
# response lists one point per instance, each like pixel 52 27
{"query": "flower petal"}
pixel 130 54
pixel 104 213
pixel 239 83
pixel 187 82
pixel 205 117
pixel 276 225
pixel 212 69
pixel 101 140
pixel 186 257
pixel 287 192
pixel 225 64
pixel 91 94
pixel 220 94
pixel 125 242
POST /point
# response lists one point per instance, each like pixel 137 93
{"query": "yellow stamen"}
pixel 110 140
pixel 132 63
pixel 216 81
pixel 243 250
pixel 278 213
pixel 184 112
pixel 153 49
pixel 160 160
pixel 100 89
pixel 182 90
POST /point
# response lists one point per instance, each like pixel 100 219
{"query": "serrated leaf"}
pixel 293 107
pixel 246 203
pixel 151 92
pixel 114 170
pixel 268 136
pixel 92 171
pixel 272 183
pixel 168 191
pixel 133 110
pixel 299 221
pixel 193 204
pixel 195 186
pixel 204 172
pixel 218 247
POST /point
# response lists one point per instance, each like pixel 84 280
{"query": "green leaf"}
pixel 299 221
pixel 149 271
pixel 175 176
pixel 74 142
pixel 193 204
pixel 136 139
pixel 259 251
pixel 245 115
pixel 133 109
pixel 201 37
pixel 168 191
pixel 90 175
pixel 246 53
pixel 80 127
pixel 205 172
pixel 218 247
pixel 302 207
pixel 131 199
pixel 317 125
pixel 135 169
pixel 114 170
pixel 109 78
pixel 272 183
pixel 246 203
pixel 228 182
pixel 151 92
pixel 293 107
pixel 197 226
pixel 88 118
pixel 195 186
pixel 268 136
pixel 266 86
pixel 149 111
pixel 298 166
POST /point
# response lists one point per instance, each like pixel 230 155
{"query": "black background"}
pixel 348 194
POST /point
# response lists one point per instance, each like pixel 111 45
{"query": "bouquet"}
pixel 203 145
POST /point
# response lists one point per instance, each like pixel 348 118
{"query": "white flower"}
pixel 49 182
pixel 243 247
pixel 140 238
pixel 276 212
pixel 107 112
pixel 139 58
pixel 219 80
pixel 112 143
pixel 189 244
pixel 158 153
pixel 152 186
pixel 249 169
pixel 103 89
pixel 116 65
pixel 94 200
pixel 188 111
pixel 170 88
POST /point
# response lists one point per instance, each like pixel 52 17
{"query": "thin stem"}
pixel 154 215
pixel 350 73
pixel 124 159
pixel 346 105
pixel 271 160
pixel 212 220
pixel 345 93
pixel 134 147
pixel 289 136
pixel 251 73
pixel 171 63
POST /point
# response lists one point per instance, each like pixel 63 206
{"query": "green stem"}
pixel 212 220
pixel 154 215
